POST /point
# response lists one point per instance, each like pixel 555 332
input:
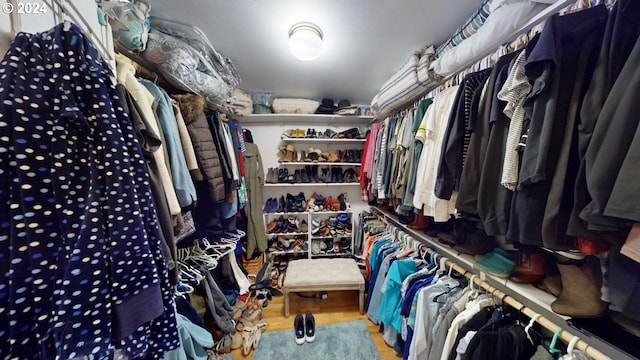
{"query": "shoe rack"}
pixel 273 132
pixel 310 234
pixel 310 158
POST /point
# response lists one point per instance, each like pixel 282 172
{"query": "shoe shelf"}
pixel 319 225
pixel 303 163
pixel 526 294
pixel 311 184
pixel 331 254
pixel 348 211
pixel 321 119
pixel 322 140
pixel 287 213
pixel 286 252
pixel 288 234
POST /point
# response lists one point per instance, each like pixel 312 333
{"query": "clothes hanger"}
pixel 183 289
pixel 554 341
pixel 474 292
pixel 528 327
pixel 571 346
pixel 189 274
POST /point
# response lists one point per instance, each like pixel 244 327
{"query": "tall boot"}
pixel 422 222
pixel 580 296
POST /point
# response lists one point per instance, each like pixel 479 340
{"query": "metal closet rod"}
pixel 540 319
pixel 507 299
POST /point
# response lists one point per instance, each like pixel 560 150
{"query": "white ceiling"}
pixel 366 41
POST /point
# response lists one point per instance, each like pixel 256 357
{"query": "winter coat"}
pixel 192 108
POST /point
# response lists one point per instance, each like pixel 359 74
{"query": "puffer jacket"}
pixel 192 108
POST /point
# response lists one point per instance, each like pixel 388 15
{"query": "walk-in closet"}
pixel 420 180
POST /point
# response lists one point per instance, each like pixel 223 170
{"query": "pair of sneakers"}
pixel 305 328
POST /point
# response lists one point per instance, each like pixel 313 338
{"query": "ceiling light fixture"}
pixel 305 41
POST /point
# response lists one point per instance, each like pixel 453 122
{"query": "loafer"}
pixel 298 328
pixel 309 328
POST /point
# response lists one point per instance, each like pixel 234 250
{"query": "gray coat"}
pixel 210 170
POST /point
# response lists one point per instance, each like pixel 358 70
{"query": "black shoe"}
pixel 298 327
pixel 281 205
pixel 304 176
pixel 309 327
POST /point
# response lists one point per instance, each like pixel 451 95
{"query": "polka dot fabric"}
pixel 80 258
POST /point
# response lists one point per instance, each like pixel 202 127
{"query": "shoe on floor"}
pixel 309 327
pixel 298 327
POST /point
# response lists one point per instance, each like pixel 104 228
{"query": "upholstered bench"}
pixel 307 275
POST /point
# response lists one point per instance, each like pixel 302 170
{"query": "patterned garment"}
pixel 82 268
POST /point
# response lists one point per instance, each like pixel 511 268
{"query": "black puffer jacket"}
pixel 192 108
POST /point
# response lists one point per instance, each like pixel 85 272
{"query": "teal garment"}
pixel 194 341
pixel 180 176
pixel 498 262
pixel 373 268
pixel 391 305
pixel 417 149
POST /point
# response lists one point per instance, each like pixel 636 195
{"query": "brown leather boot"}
pixel 288 156
pixel 552 284
pixel 412 222
pixel 530 267
pixel 422 222
pixel 580 296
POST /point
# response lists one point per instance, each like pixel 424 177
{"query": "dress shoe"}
pixel 309 328
pixel 530 267
pixel 421 222
pixel 298 328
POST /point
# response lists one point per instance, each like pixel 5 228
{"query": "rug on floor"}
pixel 346 340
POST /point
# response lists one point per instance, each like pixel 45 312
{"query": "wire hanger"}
pixel 82 22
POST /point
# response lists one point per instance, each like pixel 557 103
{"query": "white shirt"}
pixel 435 128
pixel 473 307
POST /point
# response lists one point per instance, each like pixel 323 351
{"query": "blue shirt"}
pixel 180 176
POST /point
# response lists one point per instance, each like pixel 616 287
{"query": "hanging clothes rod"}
pixel 539 18
pixel 530 313
pixel 506 298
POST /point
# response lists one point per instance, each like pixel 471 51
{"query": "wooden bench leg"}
pixel 286 303
pixel 361 301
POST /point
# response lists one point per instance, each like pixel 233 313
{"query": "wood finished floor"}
pixel 340 306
